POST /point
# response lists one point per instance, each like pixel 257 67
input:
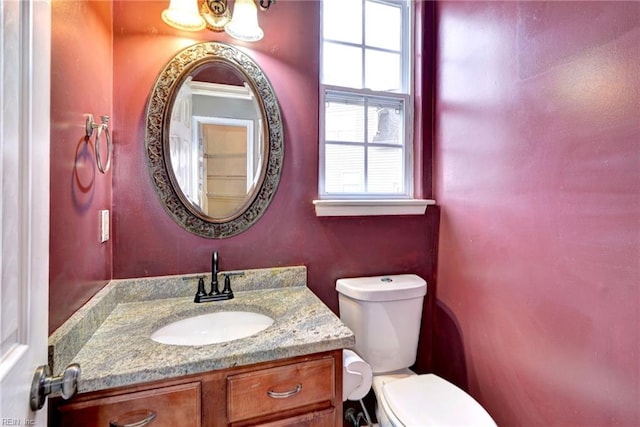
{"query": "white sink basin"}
pixel 212 328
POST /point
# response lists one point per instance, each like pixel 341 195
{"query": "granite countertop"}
pixel 114 347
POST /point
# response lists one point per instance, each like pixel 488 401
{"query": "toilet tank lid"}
pixel 383 288
pixel 428 400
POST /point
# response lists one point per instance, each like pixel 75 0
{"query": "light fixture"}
pixel 244 23
pixel 216 16
pixel 183 15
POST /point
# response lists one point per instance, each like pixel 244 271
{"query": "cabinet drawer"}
pixel 272 390
pixel 173 406
pixel 314 419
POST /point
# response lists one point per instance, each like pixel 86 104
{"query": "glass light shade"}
pixel 184 15
pixel 244 22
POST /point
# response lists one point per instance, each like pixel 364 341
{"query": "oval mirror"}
pixel 214 140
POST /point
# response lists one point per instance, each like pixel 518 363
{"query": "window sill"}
pixel 371 207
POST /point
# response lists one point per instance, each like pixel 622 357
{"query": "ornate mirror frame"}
pixel 158 117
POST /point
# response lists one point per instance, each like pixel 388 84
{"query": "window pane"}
pixel 385 170
pixel 383 26
pixel 342 65
pixel 383 71
pixel 385 125
pixel 344 120
pixel 365 110
pixel 342 20
pixel 344 169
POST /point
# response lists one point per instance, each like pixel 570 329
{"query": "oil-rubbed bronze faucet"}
pixel 215 294
pixel 214 273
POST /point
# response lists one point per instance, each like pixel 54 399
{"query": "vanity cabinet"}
pixel 301 391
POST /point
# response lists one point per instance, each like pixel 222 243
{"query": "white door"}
pixel 25 39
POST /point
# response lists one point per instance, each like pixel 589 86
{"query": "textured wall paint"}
pixel 538 178
pixel 81 83
pixel 148 242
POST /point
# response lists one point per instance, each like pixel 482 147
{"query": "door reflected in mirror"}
pixel 227 167
pixel 216 140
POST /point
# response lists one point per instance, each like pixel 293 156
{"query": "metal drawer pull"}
pixel 134 419
pixel 284 394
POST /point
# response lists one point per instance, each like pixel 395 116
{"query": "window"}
pixel 366 144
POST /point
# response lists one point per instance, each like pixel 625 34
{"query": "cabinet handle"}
pixel 284 394
pixel 134 419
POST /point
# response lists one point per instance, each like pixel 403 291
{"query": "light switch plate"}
pixel 104 226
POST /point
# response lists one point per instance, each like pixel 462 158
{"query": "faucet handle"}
pixel 227 282
pixel 201 292
pixel 227 285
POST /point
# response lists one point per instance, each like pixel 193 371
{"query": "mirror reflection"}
pixel 216 140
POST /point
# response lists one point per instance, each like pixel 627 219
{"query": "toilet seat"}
pixel 385 415
pixel 424 400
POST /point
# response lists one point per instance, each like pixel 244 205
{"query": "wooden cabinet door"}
pixel 314 419
pixel 273 390
pixel 173 406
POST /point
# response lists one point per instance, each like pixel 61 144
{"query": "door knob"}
pixel 44 384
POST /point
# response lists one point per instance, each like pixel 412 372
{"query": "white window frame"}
pixel 363 203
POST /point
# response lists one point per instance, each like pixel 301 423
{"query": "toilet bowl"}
pixel 411 400
pixel 384 312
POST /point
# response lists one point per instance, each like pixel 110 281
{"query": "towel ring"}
pixel 90 126
pixel 104 127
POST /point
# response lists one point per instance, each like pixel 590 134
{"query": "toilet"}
pixel 384 313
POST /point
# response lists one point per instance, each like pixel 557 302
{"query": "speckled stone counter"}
pixel 110 336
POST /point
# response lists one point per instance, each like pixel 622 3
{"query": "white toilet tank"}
pixel 384 313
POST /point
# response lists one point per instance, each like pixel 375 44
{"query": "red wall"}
pixel 537 162
pixel 112 55
pixel 81 83
pixel 147 242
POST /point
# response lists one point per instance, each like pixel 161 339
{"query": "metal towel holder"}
pixel 102 127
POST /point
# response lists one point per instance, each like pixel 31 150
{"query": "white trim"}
pixel 372 207
pixel 220 90
pixel 406 95
pixel 25 55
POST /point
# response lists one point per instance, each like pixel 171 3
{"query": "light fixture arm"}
pixel 219 7
pixel 264 4
pixel 215 13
